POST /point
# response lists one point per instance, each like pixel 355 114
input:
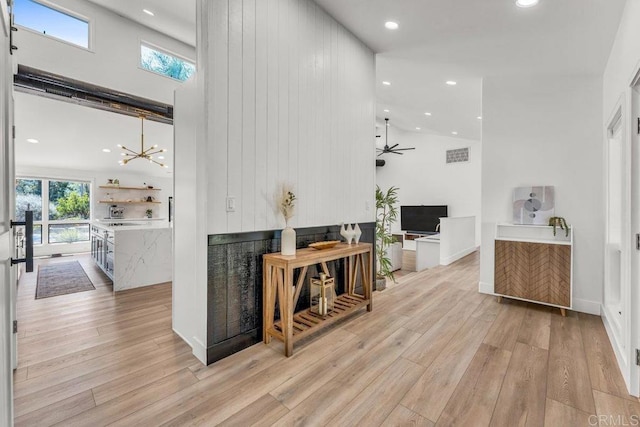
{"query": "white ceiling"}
pixel 73 136
pixel 466 40
pixel 173 18
pixel 461 40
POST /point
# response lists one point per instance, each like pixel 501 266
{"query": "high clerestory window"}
pixel 51 21
pixel 161 62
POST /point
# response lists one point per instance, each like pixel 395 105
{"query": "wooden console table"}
pixel 278 285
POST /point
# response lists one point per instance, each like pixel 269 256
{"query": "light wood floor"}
pixel 433 351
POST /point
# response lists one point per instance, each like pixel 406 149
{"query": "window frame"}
pixel 169 52
pixel 64 11
pixel 45 222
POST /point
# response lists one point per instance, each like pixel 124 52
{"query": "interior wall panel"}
pixel 291 95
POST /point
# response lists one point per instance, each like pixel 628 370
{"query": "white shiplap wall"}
pixel 289 97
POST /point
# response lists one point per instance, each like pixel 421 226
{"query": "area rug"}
pixel 61 279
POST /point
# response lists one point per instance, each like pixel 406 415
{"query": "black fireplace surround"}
pixel 234 283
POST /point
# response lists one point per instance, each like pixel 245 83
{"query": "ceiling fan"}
pixel 393 148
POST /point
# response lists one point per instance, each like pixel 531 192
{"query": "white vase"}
pixel 343 231
pixel 357 233
pixel 288 241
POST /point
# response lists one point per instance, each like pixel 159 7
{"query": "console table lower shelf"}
pixel 278 287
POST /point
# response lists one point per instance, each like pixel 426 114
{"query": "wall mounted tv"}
pixel 421 219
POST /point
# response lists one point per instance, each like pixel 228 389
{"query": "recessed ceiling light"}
pixel 427 114
pixel 148 12
pixel 386 111
pixel 386 83
pixel 418 128
pixel 526 3
pixel 391 25
pixel 451 83
pixel 161 157
pixel 479 117
pixel 32 140
pixel 454 133
pixel 106 150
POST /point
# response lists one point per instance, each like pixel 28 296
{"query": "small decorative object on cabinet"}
pixel 558 221
pixel 149 213
pixel 322 294
pixel 347 232
pixel 533 205
pixel 357 233
pixel 531 264
pixel 286 206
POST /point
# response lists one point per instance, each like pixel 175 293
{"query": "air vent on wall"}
pixel 458 155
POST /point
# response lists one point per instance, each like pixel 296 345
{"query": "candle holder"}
pixel 322 294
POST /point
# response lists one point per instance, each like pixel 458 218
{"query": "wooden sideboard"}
pixel 279 286
pixel 532 264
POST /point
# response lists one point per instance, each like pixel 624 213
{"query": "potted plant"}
pixel 149 213
pixel 386 215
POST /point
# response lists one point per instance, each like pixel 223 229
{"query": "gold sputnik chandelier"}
pixel 146 154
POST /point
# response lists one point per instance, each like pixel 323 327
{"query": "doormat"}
pixel 61 279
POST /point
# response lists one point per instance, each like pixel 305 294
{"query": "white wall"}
pixel 424 178
pixel 546 131
pixel 113 59
pixel 283 94
pixel 290 98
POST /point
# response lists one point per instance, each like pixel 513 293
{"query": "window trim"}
pixel 165 51
pixel 71 13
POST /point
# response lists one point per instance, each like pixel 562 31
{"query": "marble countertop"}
pixel 128 225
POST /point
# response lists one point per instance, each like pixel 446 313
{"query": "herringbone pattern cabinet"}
pixel 534 271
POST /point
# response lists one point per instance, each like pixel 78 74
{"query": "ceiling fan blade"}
pixel 383 152
pixel 393 146
pixel 404 149
pixel 396 152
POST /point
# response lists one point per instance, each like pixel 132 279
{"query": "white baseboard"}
pixel 620 356
pixel 586 306
pixel 197 348
pixel 457 256
pixel 580 305
pixel 485 288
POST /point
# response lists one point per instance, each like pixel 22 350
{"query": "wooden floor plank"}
pixel 522 399
pixel 62 410
pixel 379 399
pixel 447 369
pixel 263 412
pixel 405 417
pixel 568 379
pixel 559 414
pixel 474 399
pixel 536 326
pixel 603 368
pixel 616 411
pixel 505 329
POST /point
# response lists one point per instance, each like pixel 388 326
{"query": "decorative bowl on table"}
pixel 324 245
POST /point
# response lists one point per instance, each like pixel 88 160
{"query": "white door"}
pixel 7 180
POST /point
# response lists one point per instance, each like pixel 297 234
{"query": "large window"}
pixel 51 22
pixel 164 63
pixel 65 216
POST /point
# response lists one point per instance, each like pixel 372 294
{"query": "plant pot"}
pixel 381 284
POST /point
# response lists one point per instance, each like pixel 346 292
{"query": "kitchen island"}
pixel 132 253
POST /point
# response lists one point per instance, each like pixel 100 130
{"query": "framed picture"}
pixel 533 205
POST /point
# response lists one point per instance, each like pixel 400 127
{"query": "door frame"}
pixel 622 344
pixel 7 291
pixel 633 96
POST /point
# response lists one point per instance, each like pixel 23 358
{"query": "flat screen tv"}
pixel 421 219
